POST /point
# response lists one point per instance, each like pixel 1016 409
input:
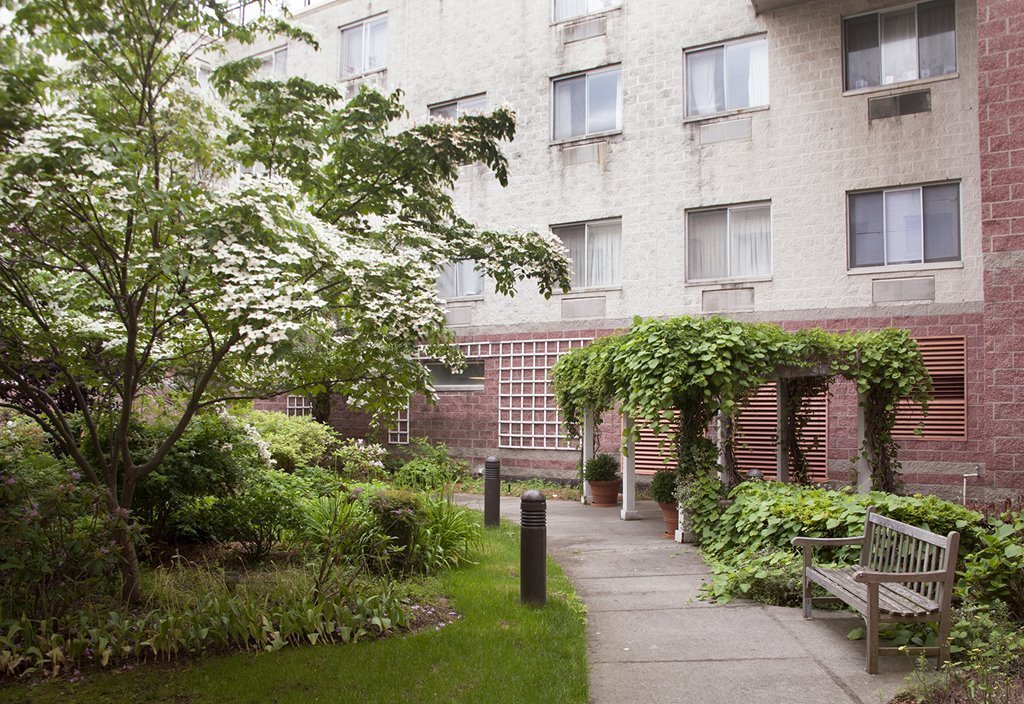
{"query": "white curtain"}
pixel 704 81
pixel 564 9
pixel 352 51
pixel 570 107
pixel 706 245
pixel 903 226
pixel 746 66
pixel 899 46
pixel 281 63
pixel 447 282
pixel 376 45
pixel 758 79
pixel 603 245
pixel 574 238
pixel 471 281
pixel 750 232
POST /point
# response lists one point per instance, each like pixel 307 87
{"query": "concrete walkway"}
pixel 651 639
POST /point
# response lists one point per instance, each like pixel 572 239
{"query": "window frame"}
pixel 917 37
pixel 364 24
pixel 456 102
pixel 728 239
pixel 470 385
pixel 762 36
pixel 586 237
pixel 272 54
pixel 586 135
pixel 897 266
pixel 298 406
pixel 587 13
pixel 463 296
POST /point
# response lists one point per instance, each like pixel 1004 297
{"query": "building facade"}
pixel 850 164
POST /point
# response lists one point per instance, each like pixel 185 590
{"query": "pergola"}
pixel 707 368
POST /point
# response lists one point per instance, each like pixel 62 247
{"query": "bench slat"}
pixel 895 599
pixel 941 541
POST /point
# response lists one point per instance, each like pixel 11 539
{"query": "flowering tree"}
pixel 137 266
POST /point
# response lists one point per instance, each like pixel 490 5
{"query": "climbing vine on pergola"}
pixel 689 370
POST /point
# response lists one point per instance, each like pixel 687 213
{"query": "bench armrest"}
pixel 869 577
pixel 800 541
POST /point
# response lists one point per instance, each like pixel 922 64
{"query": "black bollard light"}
pixel 492 492
pixel 533 548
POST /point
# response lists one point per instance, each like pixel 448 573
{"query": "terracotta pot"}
pixel 670 514
pixel 605 492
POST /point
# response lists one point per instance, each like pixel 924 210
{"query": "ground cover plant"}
pixel 564 491
pixel 469 650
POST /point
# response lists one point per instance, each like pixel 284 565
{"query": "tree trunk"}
pixel 730 476
pixel 131 591
pixel 322 407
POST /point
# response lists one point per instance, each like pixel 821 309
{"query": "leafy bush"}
pixel 267 504
pixel 450 534
pixel 663 487
pixel 210 459
pixel 770 577
pixel 360 460
pixel 293 441
pixel 995 571
pixel 398 513
pixel 601 467
pixel 430 469
pixel 57 538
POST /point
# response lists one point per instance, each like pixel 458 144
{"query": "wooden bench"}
pixel 905 574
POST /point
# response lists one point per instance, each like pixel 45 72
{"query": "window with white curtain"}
pixel 730 76
pixel 588 103
pixel 905 44
pixel 568 9
pixel 593 252
pixel 457 108
pixel 274 63
pixel 905 225
pixel 459 279
pixel 364 47
pixel 727 243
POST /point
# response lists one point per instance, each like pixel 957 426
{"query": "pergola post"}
pixel 628 465
pixel 863 466
pixel 588 450
pixel 782 446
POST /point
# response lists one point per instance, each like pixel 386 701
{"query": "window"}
pixel 590 103
pixel 444 379
pixel 460 107
pixel 729 243
pixel 460 279
pixel 567 9
pixel 364 47
pixel 900 45
pixel 593 252
pixel 905 226
pixel 275 63
pixel 727 77
pixel 298 406
pixel 398 432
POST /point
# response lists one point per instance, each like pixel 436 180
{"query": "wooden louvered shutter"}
pixel 653 452
pixel 756 434
pixel 946 361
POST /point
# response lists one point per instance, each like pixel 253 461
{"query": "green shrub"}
pixel 293 441
pixel 58 545
pixel 210 459
pixel 257 515
pixel 995 571
pixel 430 469
pixel 398 513
pixel 601 467
pixel 360 460
pixel 449 536
pixel 663 487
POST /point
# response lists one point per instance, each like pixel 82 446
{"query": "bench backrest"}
pixel 892 546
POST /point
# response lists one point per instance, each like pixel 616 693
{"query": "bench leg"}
pixel 944 628
pixel 871 636
pixel 807 583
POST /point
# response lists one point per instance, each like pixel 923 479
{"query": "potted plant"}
pixel 602 473
pixel 663 490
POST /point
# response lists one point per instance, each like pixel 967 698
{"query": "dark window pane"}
pixel 441 376
pixel 863 55
pixel 941 223
pixel 936 29
pixel 866 230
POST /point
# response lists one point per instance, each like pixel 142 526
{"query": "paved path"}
pixel 651 640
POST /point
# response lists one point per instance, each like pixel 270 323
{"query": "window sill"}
pixel 463 299
pixel 899 86
pixel 587 291
pixel 904 268
pixel 585 139
pixel 721 282
pixel 462 389
pixel 689 120
pixel 587 16
pixel 363 76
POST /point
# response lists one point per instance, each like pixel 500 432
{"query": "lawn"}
pixel 498 651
